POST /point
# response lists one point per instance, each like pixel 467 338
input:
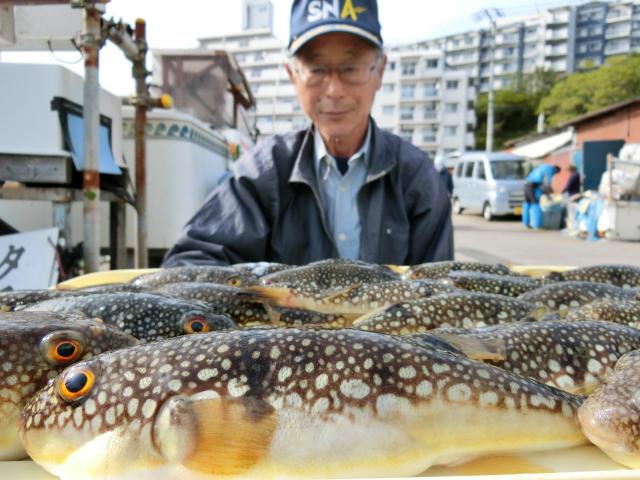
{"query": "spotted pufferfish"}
pixel 286 403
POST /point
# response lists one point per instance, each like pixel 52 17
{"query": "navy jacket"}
pixel 271 209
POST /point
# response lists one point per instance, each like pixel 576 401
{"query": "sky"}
pixel 178 24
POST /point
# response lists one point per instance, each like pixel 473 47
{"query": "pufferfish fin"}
pixel 336 293
pixel 213 434
pixel 475 348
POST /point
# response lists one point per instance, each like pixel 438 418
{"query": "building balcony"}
pixel 554 35
pixel 507 39
pixel 616 15
pixel 618 32
pixel 555 51
pixel 616 49
pixel 559 18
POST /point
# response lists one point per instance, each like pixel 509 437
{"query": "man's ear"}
pixel 287 67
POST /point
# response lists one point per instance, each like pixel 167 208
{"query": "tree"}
pixel 515 110
pixel 514 114
pixel 585 92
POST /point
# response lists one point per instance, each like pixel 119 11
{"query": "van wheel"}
pixel 457 209
pixel 487 213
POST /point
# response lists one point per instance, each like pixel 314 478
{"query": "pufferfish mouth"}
pixel 596 426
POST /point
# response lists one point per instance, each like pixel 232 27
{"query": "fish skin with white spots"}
pixel 260 269
pixel 626 312
pixel 222 299
pixel 295 317
pixel 507 285
pixel 575 356
pixel 460 310
pixel 610 417
pixel 328 274
pixel 18 299
pixel 357 299
pixel 197 273
pixel 626 276
pixel 563 297
pixel 437 270
pixel 146 316
pixel 36 346
pixel 286 403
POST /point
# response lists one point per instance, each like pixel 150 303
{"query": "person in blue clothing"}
pixel 538 183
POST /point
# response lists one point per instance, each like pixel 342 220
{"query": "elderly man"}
pixel 341 188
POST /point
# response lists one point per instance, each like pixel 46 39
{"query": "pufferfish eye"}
pixel 75 383
pixel 196 324
pixel 62 347
pixel 234 282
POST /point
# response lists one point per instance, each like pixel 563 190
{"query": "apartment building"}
pixel 564 39
pixel 262 56
pixel 444 127
pixel 429 106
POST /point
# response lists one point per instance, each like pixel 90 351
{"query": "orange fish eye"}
pixel 197 324
pixel 234 282
pixel 75 383
pixel 62 348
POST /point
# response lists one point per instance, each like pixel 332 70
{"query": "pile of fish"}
pixel 338 368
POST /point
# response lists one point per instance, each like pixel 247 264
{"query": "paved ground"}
pixel 505 240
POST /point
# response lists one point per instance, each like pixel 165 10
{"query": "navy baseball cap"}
pixel 310 18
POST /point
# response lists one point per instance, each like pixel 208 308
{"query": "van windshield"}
pixel 509 170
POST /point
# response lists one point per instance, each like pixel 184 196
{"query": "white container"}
pixel 624 218
pixel 185 161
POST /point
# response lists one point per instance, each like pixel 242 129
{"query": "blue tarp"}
pixel 76 134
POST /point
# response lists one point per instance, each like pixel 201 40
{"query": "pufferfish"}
pixel 36 346
pixel 286 403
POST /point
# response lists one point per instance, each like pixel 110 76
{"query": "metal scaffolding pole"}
pixel 91 115
pixel 140 75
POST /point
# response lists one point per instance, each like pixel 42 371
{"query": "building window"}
pixel 406 134
pixel 391 66
pixel 243 43
pixel 450 107
pixel 452 84
pixel 388 87
pixel 432 63
pixel 406 113
pixel 430 91
pixel 388 109
pixel 429 135
pixel 450 131
pixel 258 56
pixel 408 91
pixel 409 68
pixel 430 113
pixel 256 72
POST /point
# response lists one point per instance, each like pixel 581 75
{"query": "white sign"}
pixel 28 260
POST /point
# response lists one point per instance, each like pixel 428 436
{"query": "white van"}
pixel 489 183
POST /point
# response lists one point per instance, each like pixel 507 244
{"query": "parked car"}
pixel 489 183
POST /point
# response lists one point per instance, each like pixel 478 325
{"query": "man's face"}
pixel 336 106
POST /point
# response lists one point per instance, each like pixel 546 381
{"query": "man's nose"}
pixel 334 84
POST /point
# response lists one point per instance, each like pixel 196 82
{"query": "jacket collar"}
pixel 382 158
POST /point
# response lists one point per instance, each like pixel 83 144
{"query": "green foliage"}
pixel 515 111
pixel 514 116
pixel 585 92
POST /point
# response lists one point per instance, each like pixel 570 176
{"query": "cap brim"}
pixel 312 33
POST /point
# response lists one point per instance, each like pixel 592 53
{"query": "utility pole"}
pixel 492 14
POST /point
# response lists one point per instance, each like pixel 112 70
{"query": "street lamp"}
pixel 492 14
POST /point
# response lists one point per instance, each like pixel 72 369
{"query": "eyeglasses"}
pixel 352 74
